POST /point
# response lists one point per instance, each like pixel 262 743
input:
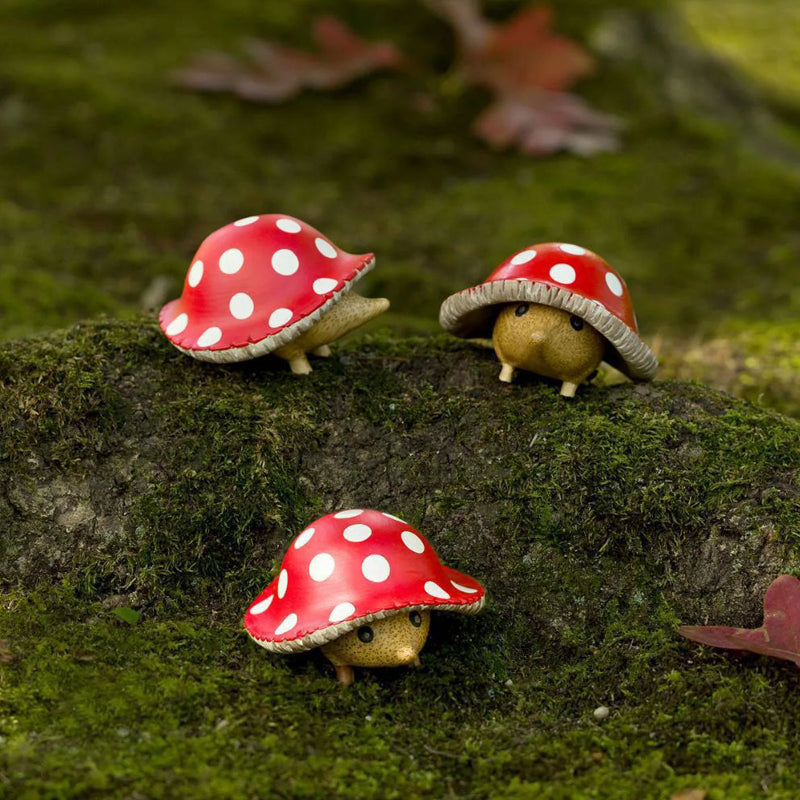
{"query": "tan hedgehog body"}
pixel 352 311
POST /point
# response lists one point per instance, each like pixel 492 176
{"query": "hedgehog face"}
pixel 547 341
pixel 390 642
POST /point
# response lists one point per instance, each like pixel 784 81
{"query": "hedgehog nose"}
pixel 538 338
pixel 406 656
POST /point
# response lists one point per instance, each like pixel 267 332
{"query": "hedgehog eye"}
pixel 576 322
pixel 415 618
pixel 522 309
pixel 366 634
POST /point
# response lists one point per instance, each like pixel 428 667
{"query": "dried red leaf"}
pixel 342 46
pixel 519 55
pixel 274 72
pixel 778 637
pixel 528 68
pixel 524 54
pixel 546 122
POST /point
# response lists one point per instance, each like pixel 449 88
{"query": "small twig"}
pixel 436 752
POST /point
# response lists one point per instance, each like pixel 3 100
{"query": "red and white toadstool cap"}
pixel 563 276
pixel 255 285
pixel 347 569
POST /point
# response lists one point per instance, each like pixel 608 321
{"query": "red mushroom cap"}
pixel 255 285
pixel 564 276
pixel 347 569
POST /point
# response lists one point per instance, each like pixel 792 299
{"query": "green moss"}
pixel 137 478
pixel 757 361
pixel 743 34
pixel 179 705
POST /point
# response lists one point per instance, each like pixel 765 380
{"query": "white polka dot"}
pixel 321 567
pixel 352 512
pixel 325 285
pixel 231 261
pixel 285 262
pixel 357 533
pixel 563 273
pixel 434 590
pixel 288 225
pixel 286 625
pixel 375 568
pixel 326 248
pixel 572 249
pixel 283 582
pixel 240 223
pixel 464 588
pixel 195 273
pixel 241 305
pixel 342 611
pixel 614 283
pixel 304 538
pixel 178 325
pixel 392 516
pixel 524 257
pixel 260 608
pixel 413 542
pixel 209 337
pixel 279 317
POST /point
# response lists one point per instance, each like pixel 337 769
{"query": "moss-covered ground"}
pixel 137 479
pixel 146 498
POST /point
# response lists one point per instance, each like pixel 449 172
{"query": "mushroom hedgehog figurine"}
pixel 557 310
pixel 268 284
pixel 360 585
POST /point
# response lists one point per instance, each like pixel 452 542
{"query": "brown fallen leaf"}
pixel 528 68
pixel 83 655
pixel 689 794
pixel 274 72
pixel 6 656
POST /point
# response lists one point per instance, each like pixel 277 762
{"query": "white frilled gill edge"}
pixel 271 343
pixel 331 632
pixel 471 313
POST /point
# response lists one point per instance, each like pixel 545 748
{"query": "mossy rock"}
pixel 135 478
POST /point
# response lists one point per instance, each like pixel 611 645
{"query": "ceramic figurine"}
pixel 557 310
pixel 360 585
pixel 268 284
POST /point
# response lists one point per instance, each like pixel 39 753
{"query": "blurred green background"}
pixel 112 177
